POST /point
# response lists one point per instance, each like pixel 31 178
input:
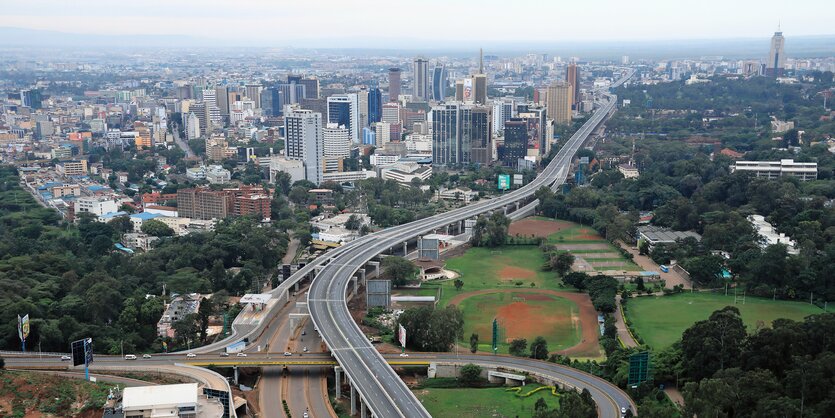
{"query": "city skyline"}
pixel 285 24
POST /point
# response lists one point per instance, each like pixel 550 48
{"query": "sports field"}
pixel 485 402
pixel 660 320
pixel 591 251
pixel 522 315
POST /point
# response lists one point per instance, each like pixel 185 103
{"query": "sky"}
pixel 327 22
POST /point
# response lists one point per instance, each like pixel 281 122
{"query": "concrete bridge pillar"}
pixel 363 410
pixel 338 381
pixel 235 368
pixel 376 265
pixel 405 248
pixel 449 229
pixel 354 282
pixel 296 287
pixel 353 400
pixel 517 205
pixel 362 276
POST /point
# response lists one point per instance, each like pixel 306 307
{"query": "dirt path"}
pixel 623 331
pixel 672 278
pixel 590 344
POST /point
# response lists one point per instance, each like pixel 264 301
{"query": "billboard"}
pixel 82 352
pixel 518 180
pixel 236 347
pixel 504 181
pixel 401 335
pixel 468 89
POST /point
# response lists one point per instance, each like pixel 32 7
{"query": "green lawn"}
pixel 660 320
pixel 581 234
pixel 486 402
pixel 554 323
pixel 480 268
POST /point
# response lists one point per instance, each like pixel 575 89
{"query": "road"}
pixel 379 386
pixel 182 144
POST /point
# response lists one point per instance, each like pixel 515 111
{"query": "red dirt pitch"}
pixel 518 313
pixel 536 227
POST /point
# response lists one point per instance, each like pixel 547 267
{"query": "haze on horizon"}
pixel 360 22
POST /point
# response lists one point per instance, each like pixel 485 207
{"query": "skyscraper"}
pixel 311 87
pixel 362 101
pixel 394 84
pixel 253 91
pixel 343 109
pixel 222 98
pixel 304 141
pixel 375 105
pixel 480 81
pixel 515 141
pixel 31 98
pixel 420 79
pixel 446 143
pixel 559 102
pixel 439 82
pixel 337 146
pixel 478 122
pixel 776 56
pixel 572 77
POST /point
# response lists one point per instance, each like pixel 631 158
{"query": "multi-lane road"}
pixel 380 388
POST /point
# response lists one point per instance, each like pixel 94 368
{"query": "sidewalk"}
pixel 623 331
pixel 672 278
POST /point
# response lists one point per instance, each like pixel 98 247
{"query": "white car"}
pixel 304 349
pixel 287 353
pixel 191 355
pixel 130 356
pixel 146 356
pixel 224 354
pixel 623 411
pixel 404 355
pixel 240 355
pixel 66 358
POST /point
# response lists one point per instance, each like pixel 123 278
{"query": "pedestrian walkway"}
pixel 623 331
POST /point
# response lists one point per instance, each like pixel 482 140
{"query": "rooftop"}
pixel 143 397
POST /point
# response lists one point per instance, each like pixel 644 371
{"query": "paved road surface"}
pixel 623 330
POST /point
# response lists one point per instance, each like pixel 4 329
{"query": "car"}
pixel 287 353
pixel 316 329
pixel 304 332
pixel 65 358
pixel 191 355
pixel 623 411
pixel 304 349
pixel 305 415
pixel 146 356
pixel 224 354
pixel 130 356
pixel 404 355
pixel 240 355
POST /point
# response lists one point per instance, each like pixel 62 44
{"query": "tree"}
pixel 561 262
pixel 470 375
pixel 473 343
pixel 714 344
pixel 353 223
pixel 539 348
pixel 705 270
pixel 458 284
pixel 432 330
pixel 157 228
pixel 121 224
pixel 518 347
pixel 204 313
pixel 577 279
pixel 639 284
pixel 400 270
pixel 540 405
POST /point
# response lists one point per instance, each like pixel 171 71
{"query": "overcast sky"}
pixel 285 21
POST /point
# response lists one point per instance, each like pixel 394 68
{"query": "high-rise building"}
pixel 304 141
pixel 776 56
pixel 271 104
pixel 446 143
pixel 439 82
pixel 375 105
pixel 394 84
pixel 253 92
pixel 222 97
pixel 337 141
pixel 31 98
pixel 311 87
pixel 204 204
pixel 539 144
pixel 391 113
pixel 200 109
pixel 192 126
pixel 382 134
pixel 477 134
pixel 291 93
pixel 559 102
pixel 515 142
pixel 362 101
pixel 343 109
pixel 143 139
pixel 420 79
pixel 572 77
pixel 459 90
pixel 479 83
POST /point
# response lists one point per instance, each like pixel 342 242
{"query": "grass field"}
pixel 578 238
pixel 499 268
pixel 660 320
pixel 486 402
pixel 521 315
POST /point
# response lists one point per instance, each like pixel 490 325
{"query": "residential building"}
pixel 216 174
pixel 769 236
pixel 96 205
pixel 137 219
pixel 257 205
pixel 629 171
pixel 180 307
pixel 138 240
pixel 304 141
pixel 65 190
pixel 337 141
pixel 72 168
pixel 776 169
pixel 204 204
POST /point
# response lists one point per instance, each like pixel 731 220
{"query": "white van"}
pixel 130 357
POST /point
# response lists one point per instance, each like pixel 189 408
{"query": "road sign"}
pixel 504 181
pixel 401 336
pixel 638 368
pixel 495 335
